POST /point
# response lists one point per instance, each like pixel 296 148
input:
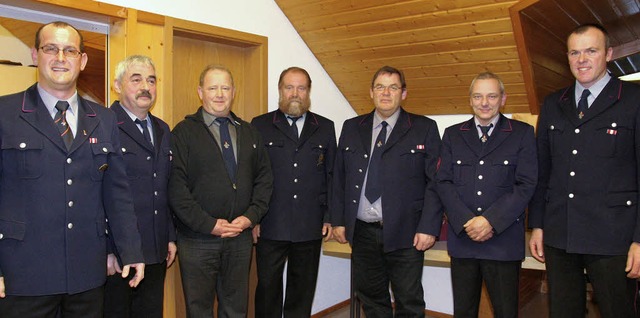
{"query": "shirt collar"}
pixel 131 115
pixel 211 119
pixel 50 101
pixel 391 121
pixel 595 89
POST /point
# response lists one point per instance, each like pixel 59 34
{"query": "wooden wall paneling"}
pixel 116 52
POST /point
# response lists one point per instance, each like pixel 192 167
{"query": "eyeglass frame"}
pixel 67 51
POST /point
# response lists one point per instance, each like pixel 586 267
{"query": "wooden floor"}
pixel 533 303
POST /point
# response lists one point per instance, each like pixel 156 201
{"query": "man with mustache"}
pixel 145 141
pixel 301 146
pixel 62 177
pixel 585 211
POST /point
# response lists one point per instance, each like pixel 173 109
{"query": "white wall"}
pixel 19 51
pixel 286 48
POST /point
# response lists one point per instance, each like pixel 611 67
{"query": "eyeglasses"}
pixel 381 88
pixel 67 51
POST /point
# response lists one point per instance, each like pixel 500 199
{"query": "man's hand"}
pixel 339 234
pixel 326 231
pixel 479 229
pixel 255 233
pixel 633 261
pixel 112 265
pixel 225 229
pixel 423 242
pixel 172 249
pixel 2 293
pixel 242 221
pixel 536 244
pixel 138 277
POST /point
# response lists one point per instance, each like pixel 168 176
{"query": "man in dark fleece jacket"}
pixel 220 186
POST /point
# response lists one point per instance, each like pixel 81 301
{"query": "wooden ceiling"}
pixel 92 80
pixel 440 44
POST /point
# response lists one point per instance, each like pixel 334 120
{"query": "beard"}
pixel 295 106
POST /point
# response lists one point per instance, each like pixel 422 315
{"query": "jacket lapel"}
pixel 609 95
pixel 87 123
pixel 399 130
pixel 499 134
pixel 36 114
pixel 130 128
pixel 310 127
pixel 365 130
pixel 469 134
pixel 281 123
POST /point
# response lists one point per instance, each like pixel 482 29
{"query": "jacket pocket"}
pixel 24 155
pixel 12 230
pixel 101 153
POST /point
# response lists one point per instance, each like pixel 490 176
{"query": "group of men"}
pixel 86 193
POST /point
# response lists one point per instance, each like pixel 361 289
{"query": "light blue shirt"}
pixel 147 119
pixel 71 115
pixel 595 89
pixel 494 121
pixel 372 211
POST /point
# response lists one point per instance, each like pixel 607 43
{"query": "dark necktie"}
pixel 583 104
pixel 374 184
pixel 227 147
pixel 294 127
pixel 145 130
pixel 485 132
pixel 61 122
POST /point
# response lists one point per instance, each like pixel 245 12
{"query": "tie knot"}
pixel 485 129
pixel 384 124
pixel 294 119
pixel 142 123
pixel 62 105
pixel 585 94
pixel 222 120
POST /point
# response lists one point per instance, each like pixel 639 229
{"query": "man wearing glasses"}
pixel 62 180
pixel 384 198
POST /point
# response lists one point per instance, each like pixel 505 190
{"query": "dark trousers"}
pixel 501 278
pixel 144 301
pixel 374 269
pixel 87 304
pixel 614 292
pixel 215 267
pixel 302 260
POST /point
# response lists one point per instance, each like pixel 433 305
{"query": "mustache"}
pixel 144 93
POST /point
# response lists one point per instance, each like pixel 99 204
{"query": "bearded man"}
pixel 301 146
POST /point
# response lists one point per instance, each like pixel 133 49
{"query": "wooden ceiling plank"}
pixel 399 24
pixel 412 8
pixel 470 42
pixel 415 36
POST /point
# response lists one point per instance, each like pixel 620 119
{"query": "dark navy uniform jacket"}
pixel 410 156
pixel 148 168
pixel 302 170
pixel 54 203
pixel 495 180
pixel 587 196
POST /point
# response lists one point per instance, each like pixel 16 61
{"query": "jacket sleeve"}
pixel 431 218
pixel 337 184
pixel 538 202
pixel 181 201
pixel 262 182
pixel 329 162
pixel 504 211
